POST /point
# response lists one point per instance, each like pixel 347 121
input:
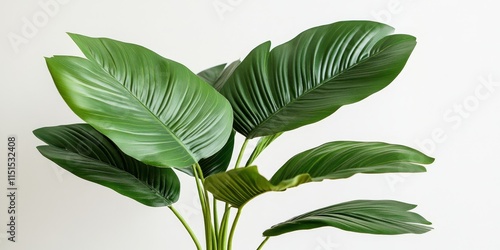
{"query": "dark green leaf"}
pixel 228 71
pixel 88 154
pixel 218 75
pixel 211 75
pixel 362 216
pixel 314 74
pixel 342 159
pixel 216 163
pixel 154 109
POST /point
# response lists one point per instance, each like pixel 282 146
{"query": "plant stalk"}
pixel 205 206
pixel 233 229
pixel 242 151
pixel 223 228
pixel 225 218
pixel 216 218
pixel 263 243
pixel 187 227
pixel 208 211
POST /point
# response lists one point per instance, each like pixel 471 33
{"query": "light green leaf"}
pixel 261 145
pixel 88 154
pixel 154 109
pixel 332 160
pixel 238 186
pixel 342 159
pixel 311 76
pixel 362 216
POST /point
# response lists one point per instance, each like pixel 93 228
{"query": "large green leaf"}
pixel 332 160
pixel 154 109
pixel 311 76
pixel 362 216
pixel 88 154
pixel 342 159
pixel 261 145
pixel 238 186
pixel 216 163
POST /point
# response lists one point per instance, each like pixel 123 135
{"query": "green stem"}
pixel 186 226
pixel 204 206
pixel 233 229
pixel 263 242
pixel 208 211
pixel 242 151
pixel 216 217
pixel 221 237
pixel 223 231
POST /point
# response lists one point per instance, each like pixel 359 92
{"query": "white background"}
pixel 439 104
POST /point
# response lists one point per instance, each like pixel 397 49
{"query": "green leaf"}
pixel 342 159
pixel 216 163
pixel 156 110
pixel 311 76
pixel 332 160
pixel 220 161
pixel 261 145
pixel 217 76
pixel 88 154
pixel 228 71
pixel 211 75
pixel 362 216
pixel 238 186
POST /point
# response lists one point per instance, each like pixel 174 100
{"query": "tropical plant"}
pixel 148 117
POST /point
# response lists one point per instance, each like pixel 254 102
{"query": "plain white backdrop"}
pixel 446 102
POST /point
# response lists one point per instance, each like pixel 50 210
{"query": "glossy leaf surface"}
pixel 311 76
pixel 329 161
pixel 342 159
pixel 238 186
pixel 362 216
pixel 88 154
pixel 156 110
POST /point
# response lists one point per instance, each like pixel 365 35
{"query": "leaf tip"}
pixel 73 35
pixel 38 132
